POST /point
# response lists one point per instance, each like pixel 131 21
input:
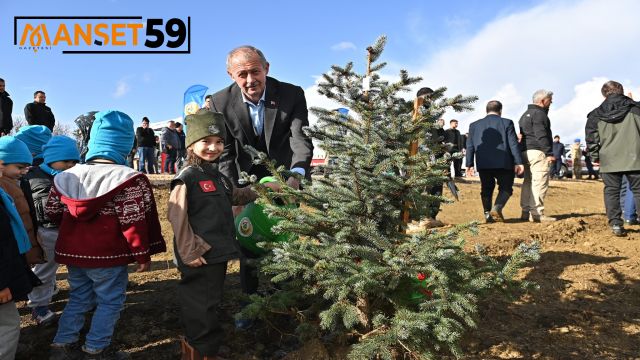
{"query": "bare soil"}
pixel 587 306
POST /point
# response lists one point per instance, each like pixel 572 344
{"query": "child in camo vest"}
pixel 202 220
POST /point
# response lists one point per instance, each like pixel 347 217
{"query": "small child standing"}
pixel 202 221
pixel 17 159
pixel 16 278
pixel 107 219
pixel 59 154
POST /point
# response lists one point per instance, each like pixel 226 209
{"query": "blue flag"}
pixel 193 99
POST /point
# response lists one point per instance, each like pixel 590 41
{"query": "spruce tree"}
pixel 351 270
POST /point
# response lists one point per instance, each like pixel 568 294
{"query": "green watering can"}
pixel 253 226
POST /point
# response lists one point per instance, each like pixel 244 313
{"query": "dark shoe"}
pixel 65 352
pixel 618 230
pixel 110 353
pixel 497 214
pixel 633 221
pixel 487 217
pixel 524 216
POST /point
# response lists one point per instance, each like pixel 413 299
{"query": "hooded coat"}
pixel 107 216
pixel 613 134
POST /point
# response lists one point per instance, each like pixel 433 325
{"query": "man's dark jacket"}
pixel 146 137
pixel 6 107
pixel 285 115
pixel 558 150
pixel 453 136
pixel 535 128
pixel 494 143
pixel 613 134
pixel 39 114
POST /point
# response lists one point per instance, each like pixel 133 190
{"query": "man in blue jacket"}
pixel 494 143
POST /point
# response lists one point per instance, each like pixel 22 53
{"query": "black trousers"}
pixel 488 179
pixel 248 272
pixel 200 295
pixel 612 184
pixel 457 167
pixel 557 165
pixel 434 207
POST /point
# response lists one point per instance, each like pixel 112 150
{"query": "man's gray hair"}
pixel 541 95
pixel 246 51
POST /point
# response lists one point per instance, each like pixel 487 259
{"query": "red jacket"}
pixel 107 216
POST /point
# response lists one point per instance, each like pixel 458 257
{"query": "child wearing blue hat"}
pixel 101 194
pixel 59 154
pixel 34 136
pixel 16 278
pixel 17 159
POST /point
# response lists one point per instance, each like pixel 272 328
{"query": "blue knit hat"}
pixel 34 136
pixel 111 137
pixel 60 148
pixel 576 140
pixel 14 151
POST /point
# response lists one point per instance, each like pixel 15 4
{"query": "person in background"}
pixel 558 153
pixel 493 142
pixel 146 147
pixel 208 103
pixel 590 170
pixel 181 151
pixel 613 141
pixel 576 156
pixel 37 113
pixel 537 155
pixel 170 144
pixel 452 136
pixel 6 107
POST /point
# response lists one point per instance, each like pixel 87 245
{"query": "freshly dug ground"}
pixel 587 306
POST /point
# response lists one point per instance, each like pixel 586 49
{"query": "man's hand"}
pixel 293 182
pixel 143 267
pixel 35 255
pixel 197 262
pixel 274 186
pixel 551 159
pixel 5 295
pixel 470 171
pixel 519 169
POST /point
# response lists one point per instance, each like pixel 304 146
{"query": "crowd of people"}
pixel 51 202
pixel 498 153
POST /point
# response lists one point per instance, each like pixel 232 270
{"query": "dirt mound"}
pixel 587 305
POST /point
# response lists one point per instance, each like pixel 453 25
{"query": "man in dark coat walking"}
pixel 494 143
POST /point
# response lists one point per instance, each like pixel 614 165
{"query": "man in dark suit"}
pixel 267 114
pixel 494 143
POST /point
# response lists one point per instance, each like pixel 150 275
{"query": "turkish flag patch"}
pixel 207 186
